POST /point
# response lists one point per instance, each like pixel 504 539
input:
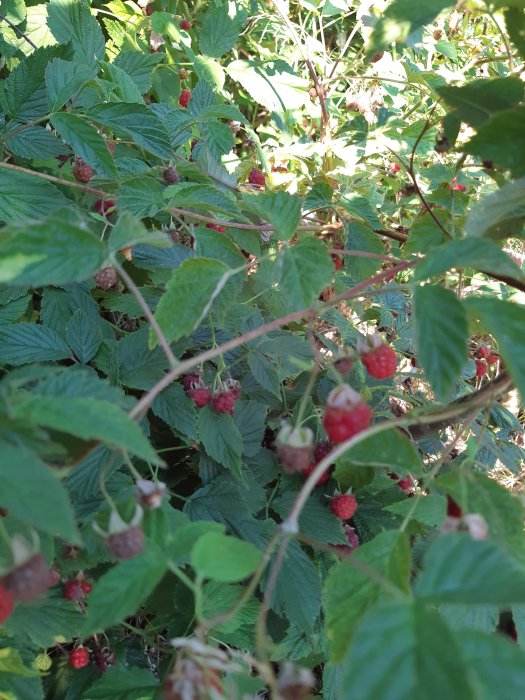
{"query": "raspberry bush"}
pixel 261 350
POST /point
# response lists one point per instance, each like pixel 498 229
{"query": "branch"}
pixel 479 400
pixel 184 366
pixel 52 178
pixel 18 31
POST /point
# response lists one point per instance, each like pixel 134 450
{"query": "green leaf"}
pixel 140 196
pixel 265 372
pixel 121 85
pixel 32 492
pixel 83 337
pixel 73 22
pixel 124 682
pixel 316 520
pixel 23 343
pixel 361 238
pixel 180 547
pixel 506 321
pixel 500 214
pixel 281 209
pixel 390 449
pixel 86 142
pixel 515 25
pixel 220 30
pixel 501 141
pixel 34 142
pixel 479 253
pixel 224 558
pixel 177 410
pixel 350 590
pixel 138 122
pixel 400 19
pixel 139 66
pixel 458 569
pixel 86 418
pixel 192 289
pixel 214 245
pixel 200 197
pixel 11 662
pixel 129 230
pixel 42 622
pixel 64 80
pixel 53 251
pixel 441 336
pixel 24 97
pixel 220 438
pixel 477 493
pixel 250 419
pixel 273 84
pixel 430 510
pixel 24 198
pixel 403 650
pixel 492 658
pixel 306 268
pixel 477 101
pixel 118 593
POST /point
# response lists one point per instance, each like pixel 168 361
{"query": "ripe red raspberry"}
pixel 6 604
pixel 102 206
pixel 106 278
pixel 76 589
pixel 256 177
pixel 394 168
pixel 234 387
pixel 380 362
pixel 149 10
pixel 484 351
pixel 217 227
pixel 345 414
pixel 28 580
pixel 322 449
pixel 343 506
pixel 79 658
pixel 171 175
pixel 200 396
pixel 82 171
pixel 481 368
pixel 126 544
pixel 322 479
pixel 453 510
pixel 493 358
pixel 185 25
pixel 224 402
pixel 185 97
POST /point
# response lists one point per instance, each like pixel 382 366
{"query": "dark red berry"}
pixel 149 10
pixel 102 206
pixel 171 175
pixel 104 659
pixel 338 262
pixel 82 171
pixel 6 604
pixel 256 177
pixel 377 57
pixel 484 351
pixel 126 544
pixel 322 479
pixel 185 25
pixel 343 506
pixel 106 278
pixel 28 580
pixel 394 168
pixel 353 540
pixel 191 381
pixel 224 402
pixel 201 396
pixel 453 510
pixel 216 227
pixel 185 97
pixel 380 362
pixel 79 658
pixel 294 448
pixel 54 575
pixel 493 358
pixel 404 484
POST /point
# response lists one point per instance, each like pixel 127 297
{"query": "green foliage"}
pixel 327 151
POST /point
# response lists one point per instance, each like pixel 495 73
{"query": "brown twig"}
pixel 52 178
pixel 18 31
